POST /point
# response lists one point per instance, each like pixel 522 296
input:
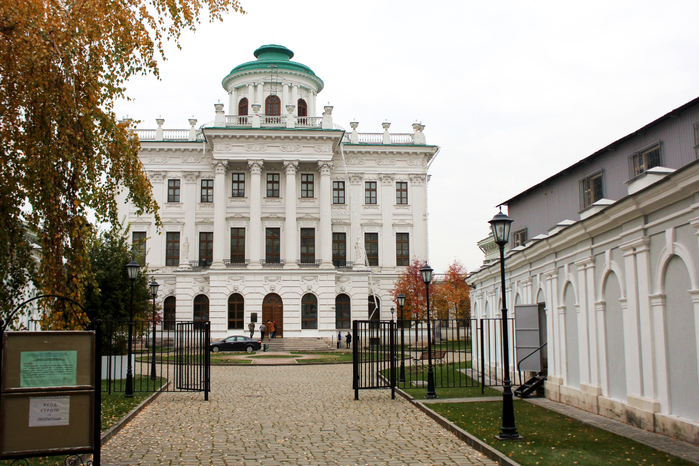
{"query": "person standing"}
pixel 339 340
pixel 251 327
pixel 276 328
pixel 263 329
pixel 270 329
pixel 348 339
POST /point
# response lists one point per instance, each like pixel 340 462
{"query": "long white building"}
pixel 271 212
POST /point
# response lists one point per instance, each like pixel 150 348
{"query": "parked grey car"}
pixel 236 343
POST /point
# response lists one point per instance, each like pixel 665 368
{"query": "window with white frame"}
pixel 644 159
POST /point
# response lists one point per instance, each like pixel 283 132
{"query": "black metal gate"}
pixel 173 358
pixel 374 357
pixel 465 353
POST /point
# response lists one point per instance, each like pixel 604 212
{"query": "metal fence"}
pixel 173 358
pixel 465 353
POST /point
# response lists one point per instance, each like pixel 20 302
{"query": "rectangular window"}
pixel 644 159
pixel 172 249
pixel 519 237
pixel 401 192
pixel 238 185
pixel 138 244
pixel 370 192
pixel 338 192
pixel 591 190
pixel 272 246
pixel 272 184
pixel 236 312
pixel 237 245
pixel 173 190
pixel 371 245
pixel 308 245
pixel 402 249
pixel 207 190
pixel 339 249
pixel 306 185
pixel 206 249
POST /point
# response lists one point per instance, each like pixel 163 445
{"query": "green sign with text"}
pixel 48 368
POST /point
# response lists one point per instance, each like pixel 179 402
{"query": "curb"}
pixel 461 434
pixel 112 431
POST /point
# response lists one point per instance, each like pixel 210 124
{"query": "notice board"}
pixel 47 392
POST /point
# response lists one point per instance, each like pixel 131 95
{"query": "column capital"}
pixel 157 177
pixel 219 166
pixel 417 179
pixel 290 166
pixel 387 180
pixel 191 177
pixel 255 166
pixel 325 167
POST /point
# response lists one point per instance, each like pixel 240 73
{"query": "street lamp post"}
pixel 153 292
pixel 401 303
pixel 132 268
pixel 500 225
pixel 426 272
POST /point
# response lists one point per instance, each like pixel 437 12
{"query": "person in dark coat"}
pixel 348 339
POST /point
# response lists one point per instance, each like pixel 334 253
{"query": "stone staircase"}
pixel 307 344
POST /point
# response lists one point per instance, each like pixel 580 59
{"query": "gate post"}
pixel 207 360
pixel 392 351
pixel 355 362
pixel 482 360
pixel 97 428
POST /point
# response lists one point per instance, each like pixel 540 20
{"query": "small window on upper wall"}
pixel 302 108
pixel 401 192
pixel 519 238
pixel 307 185
pixel 338 192
pixel 207 191
pixel 243 106
pixel 370 192
pixel 173 190
pixel 645 159
pixel 591 189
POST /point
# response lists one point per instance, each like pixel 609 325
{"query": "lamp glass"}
pixel 500 225
pixel 426 272
pixel 132 267
pixel 401 300
pixel 154 288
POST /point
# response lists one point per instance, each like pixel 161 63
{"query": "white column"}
pixel 285 94
pixel 295 97
pixel 632 343
pixel 583 317
pixel 260 94
pixel 232 99
pixel 189 200
pixel 355 243
pixel 290 227
pixel 255 230
pixel 417 198
pixel 156 256
pixel 311 103
pixel 387 247
pixel 646 321
pixel 219 215
pixel 251 96
pixel 325 199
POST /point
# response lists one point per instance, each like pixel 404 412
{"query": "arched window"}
pixel 201 308
pixel 343 314
pixel 309 311
pixel 374 315
pixel 169 313
pixel 273 106
pixel 236 312
pixel 243 106
pixel 302 108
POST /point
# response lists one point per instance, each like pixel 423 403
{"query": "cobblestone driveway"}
pixel 286 415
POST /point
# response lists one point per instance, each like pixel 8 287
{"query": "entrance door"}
pixel 273 309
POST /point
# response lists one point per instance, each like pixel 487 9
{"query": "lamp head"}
pixel 426 272
pixel 500 225
pixel 401 300
pixel 154 288
pixel 132 268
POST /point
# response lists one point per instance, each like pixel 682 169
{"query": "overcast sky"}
pixel 511 91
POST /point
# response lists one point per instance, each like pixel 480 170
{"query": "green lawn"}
pixel 550 438
pixel 114 407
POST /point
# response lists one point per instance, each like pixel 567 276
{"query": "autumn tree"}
pixel 63 152
pixel 452 294
pixel 411 285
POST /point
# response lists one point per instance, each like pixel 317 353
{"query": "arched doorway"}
pixel 273 309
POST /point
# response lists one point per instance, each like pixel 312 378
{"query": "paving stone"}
pixel 301 415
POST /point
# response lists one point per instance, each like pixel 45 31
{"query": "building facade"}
pixel 273 213
pixel 609 251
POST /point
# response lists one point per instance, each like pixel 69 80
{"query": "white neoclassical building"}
pixel 271 212
pixel 608 252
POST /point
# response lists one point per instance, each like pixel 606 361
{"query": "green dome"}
pixel 273 55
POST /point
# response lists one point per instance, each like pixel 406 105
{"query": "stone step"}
pixel 299 344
